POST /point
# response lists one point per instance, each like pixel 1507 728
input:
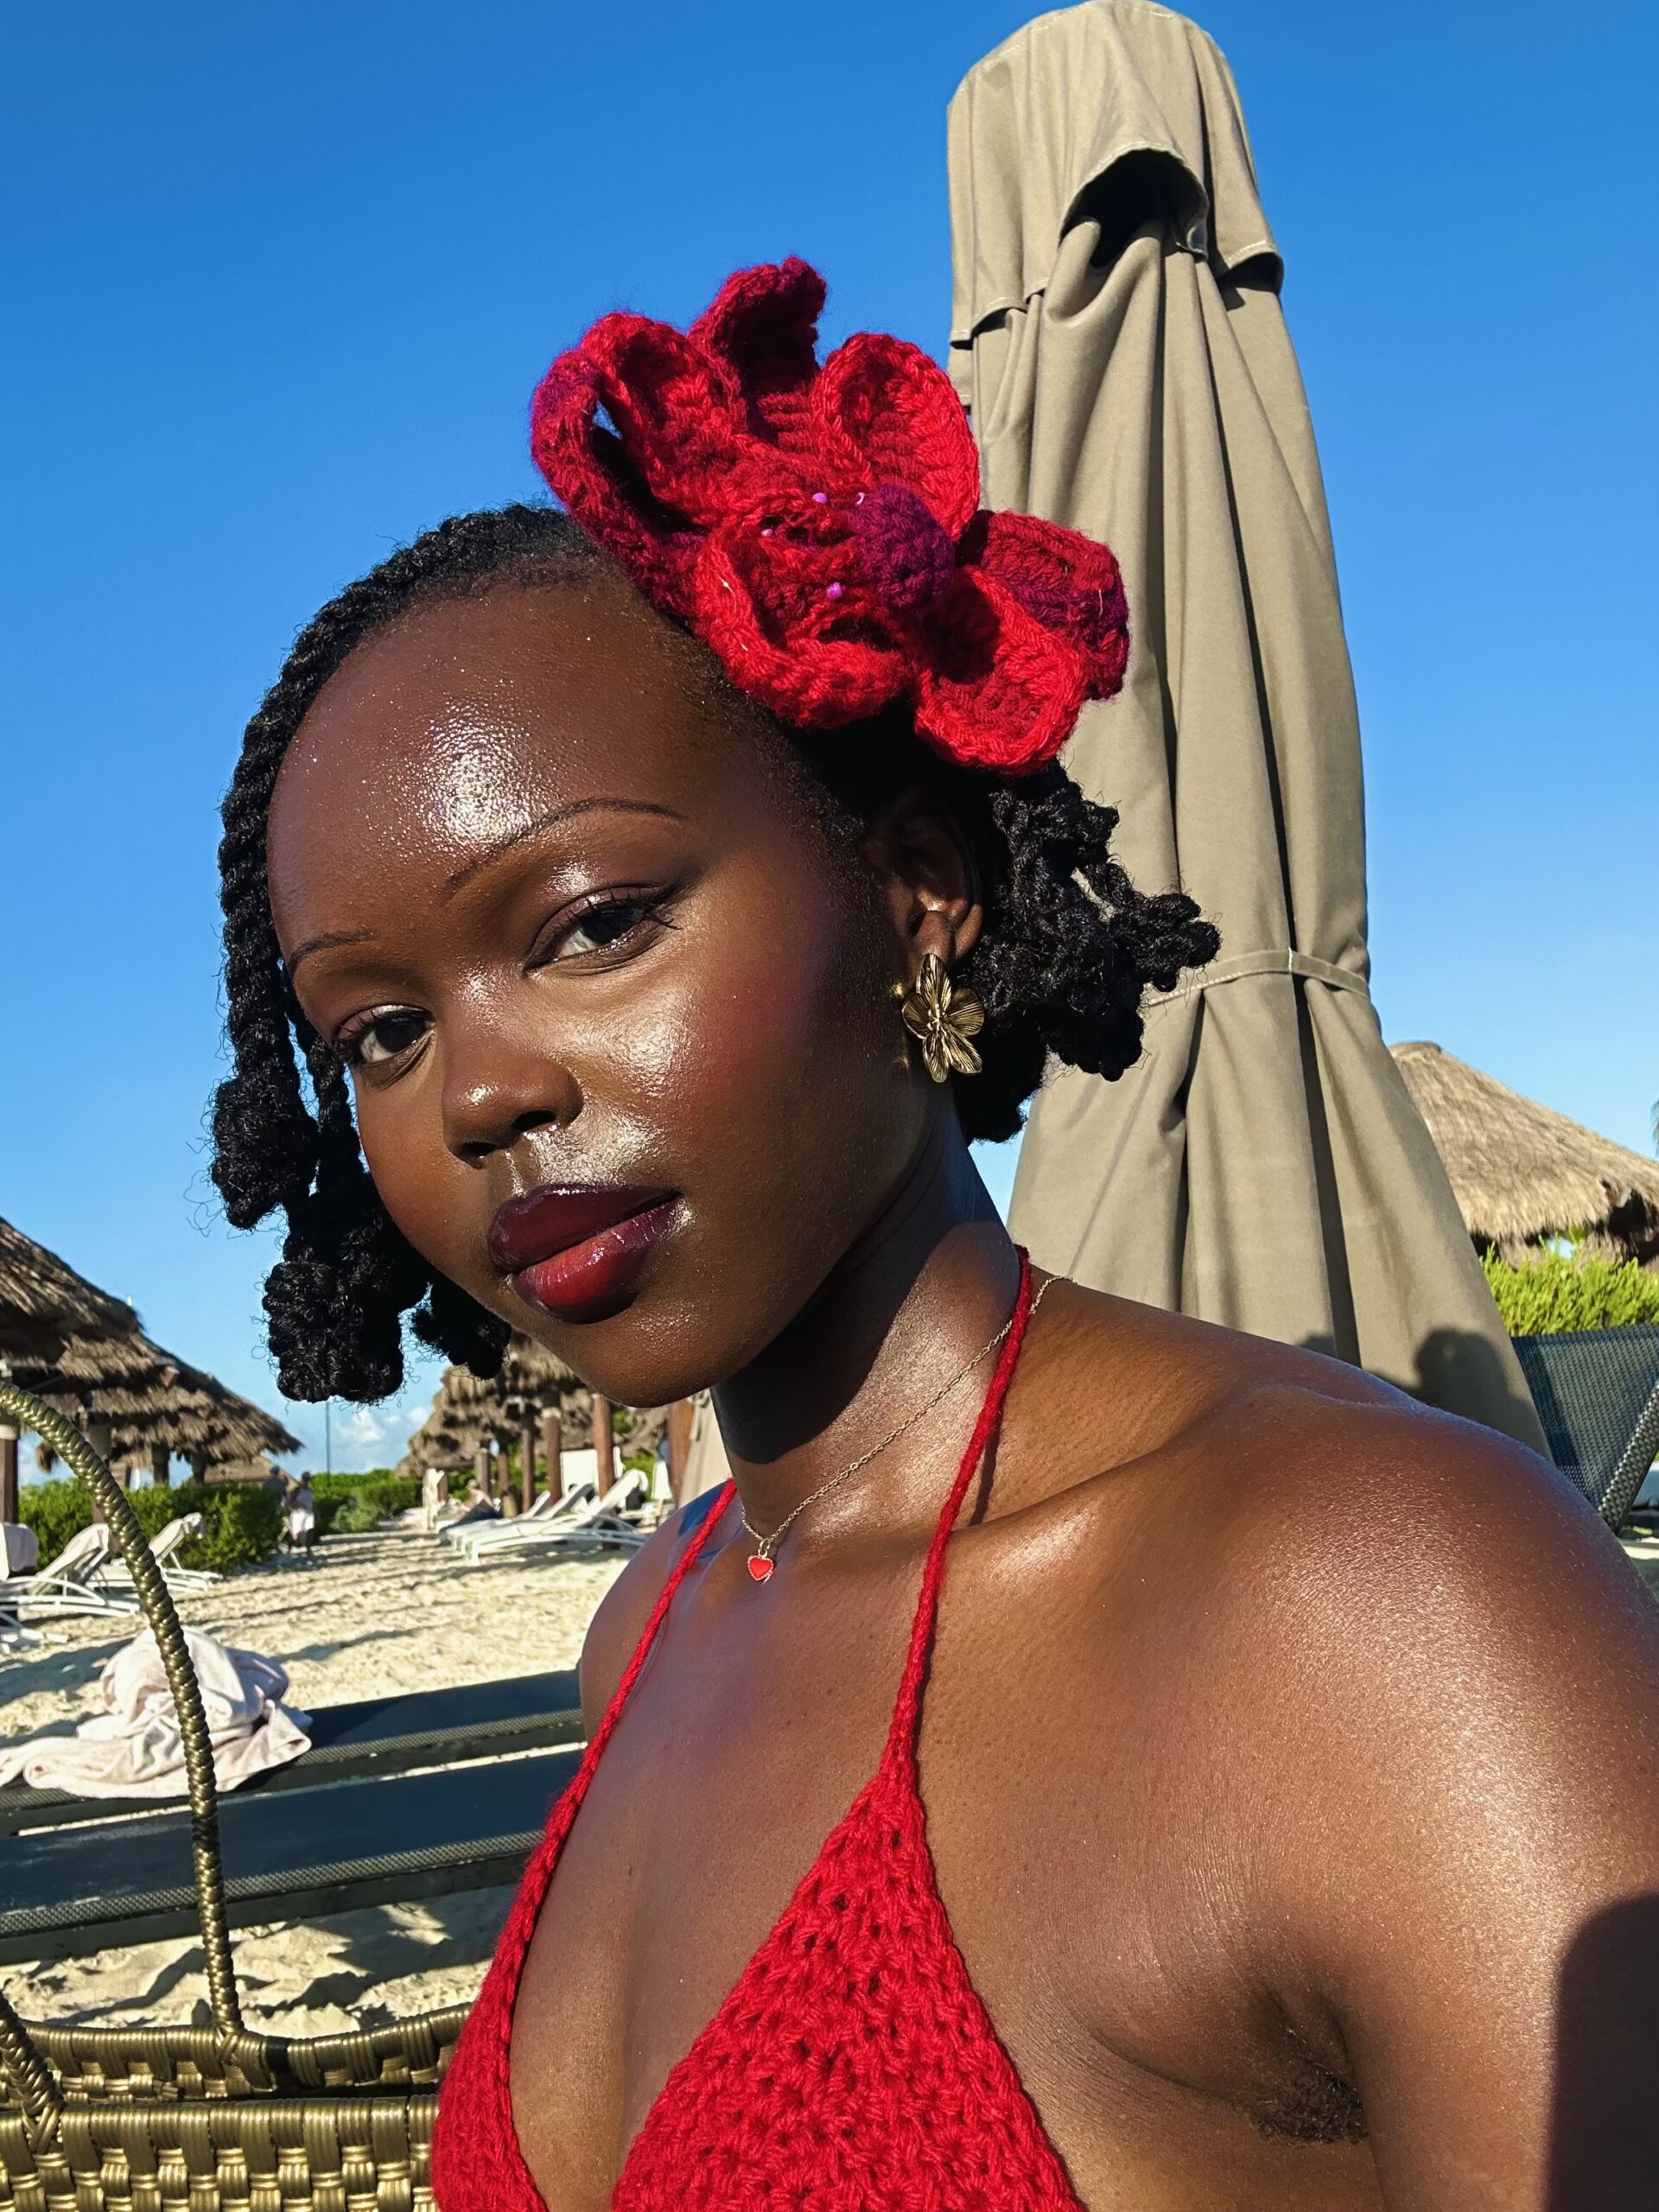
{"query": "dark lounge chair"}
pixel 398 1798
pixel 1597 1392
pixel 374 1736
pixel 289 1855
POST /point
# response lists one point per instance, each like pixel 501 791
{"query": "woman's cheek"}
pixel 778 1019
pixel 429 1194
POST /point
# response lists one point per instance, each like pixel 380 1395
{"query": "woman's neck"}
pixel 923 1287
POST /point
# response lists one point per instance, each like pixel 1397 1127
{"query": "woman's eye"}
pixel 384 1037
pixel 600 927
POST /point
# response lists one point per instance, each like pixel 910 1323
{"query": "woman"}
pixel 662 900
pixel 300 1517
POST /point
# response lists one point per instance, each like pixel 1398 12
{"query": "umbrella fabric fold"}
pixel 1118 337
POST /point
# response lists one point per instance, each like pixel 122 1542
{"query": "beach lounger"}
pixel 482 1513
pixel 20 1550
pixel 370 1736
pixel 1597 1392
pixel 548 1512
pixel 14 1636
pixel 79 1580
pixel 469 1537
pixel 288 1855
pixel 592 1524
pixel 163 1547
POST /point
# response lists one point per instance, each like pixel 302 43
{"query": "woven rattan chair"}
pixel 216 2119
pixel 1597 1392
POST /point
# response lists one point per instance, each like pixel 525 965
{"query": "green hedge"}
pixel 244 1520
pixel 1557 1294
pixel 55 1511
pixel 355 1504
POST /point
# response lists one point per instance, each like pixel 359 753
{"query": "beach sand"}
pixel 375 1615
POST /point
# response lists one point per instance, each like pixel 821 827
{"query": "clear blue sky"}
pixel 280 281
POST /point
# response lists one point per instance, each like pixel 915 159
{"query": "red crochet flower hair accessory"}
pixel 819 525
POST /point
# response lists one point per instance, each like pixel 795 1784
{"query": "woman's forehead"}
pixel 445 725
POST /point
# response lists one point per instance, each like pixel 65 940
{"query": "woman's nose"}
pixel 497 1090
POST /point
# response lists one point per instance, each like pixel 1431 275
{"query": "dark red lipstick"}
pixel 576 1250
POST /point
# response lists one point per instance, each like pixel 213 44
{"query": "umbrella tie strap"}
pixel 1278 963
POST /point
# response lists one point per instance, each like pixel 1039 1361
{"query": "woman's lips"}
pixel 577 1252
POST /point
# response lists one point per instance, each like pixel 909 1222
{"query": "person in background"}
pixel 299 1518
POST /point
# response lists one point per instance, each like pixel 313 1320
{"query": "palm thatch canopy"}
pixel 43 1302
pixel 469 1411
pixel 1523 1173
pixel 84 1352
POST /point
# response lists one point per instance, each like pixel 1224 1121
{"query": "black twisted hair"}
pixel 1067 951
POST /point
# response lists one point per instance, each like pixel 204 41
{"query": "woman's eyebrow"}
pixel 325 943
pixel 494 853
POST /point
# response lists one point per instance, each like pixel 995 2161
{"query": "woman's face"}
pixel 621 1021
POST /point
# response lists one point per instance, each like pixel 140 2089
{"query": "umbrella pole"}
pixel 9 1506
pixel 604 1446
pixel 553 1452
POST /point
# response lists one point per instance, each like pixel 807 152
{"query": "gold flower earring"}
pixel 944 1016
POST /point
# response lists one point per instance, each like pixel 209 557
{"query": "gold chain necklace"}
pixel 760 1561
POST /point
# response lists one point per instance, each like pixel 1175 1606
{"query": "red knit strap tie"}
pixel 901 1736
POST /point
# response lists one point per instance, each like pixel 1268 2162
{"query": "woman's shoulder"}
pixel 1328 1545
pixel 1273 1426
pixel 1409 1674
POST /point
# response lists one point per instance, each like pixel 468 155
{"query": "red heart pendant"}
pixel 759 1566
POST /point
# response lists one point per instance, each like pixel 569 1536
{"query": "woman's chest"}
pixel 1070 1888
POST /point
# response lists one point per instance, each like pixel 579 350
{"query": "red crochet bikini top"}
pixel 853 2068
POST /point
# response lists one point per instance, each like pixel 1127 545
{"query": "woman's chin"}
pixel 629 1353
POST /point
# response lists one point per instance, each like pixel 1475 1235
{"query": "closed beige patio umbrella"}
pixel 1118 336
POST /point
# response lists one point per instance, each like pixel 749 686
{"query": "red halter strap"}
pixel 901 1737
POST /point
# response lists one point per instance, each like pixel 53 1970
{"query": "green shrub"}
pixel 343 1486
pixel 355 1515
pixel 55 1511
pixel 388 1493
pixel 244 1524
pixel 1557 1294
pixel 244 1520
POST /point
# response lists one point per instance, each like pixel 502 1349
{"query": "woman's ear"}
pixel 932 883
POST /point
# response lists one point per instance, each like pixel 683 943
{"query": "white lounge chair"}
pixel 79 1580
pixel 21 1550
pixel 587 1523
pixel 474 1537
pixel 163 1545
pixel 479 1513
pixel 481 1537
pixel 14 1636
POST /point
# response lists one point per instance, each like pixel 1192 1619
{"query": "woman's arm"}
pixel 1466 1859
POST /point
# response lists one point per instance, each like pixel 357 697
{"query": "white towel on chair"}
pixel 133 1748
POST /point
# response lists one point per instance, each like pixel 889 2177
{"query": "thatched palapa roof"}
pixel 43 1302
pixel 1522 1172
pixel 470 1411
pixel 84 1353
